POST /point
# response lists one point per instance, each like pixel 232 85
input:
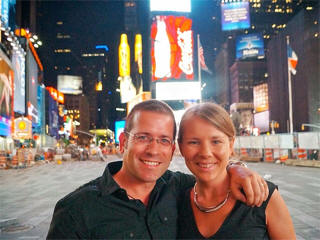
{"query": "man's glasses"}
pixel 147 139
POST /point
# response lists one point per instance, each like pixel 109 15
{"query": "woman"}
pixel 209 210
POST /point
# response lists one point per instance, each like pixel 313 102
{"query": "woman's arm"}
pixel 278 219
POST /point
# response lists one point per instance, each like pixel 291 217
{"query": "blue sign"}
pixel 53 117
pixel 250 46
pixel 5 12
pixel 5 126
pixel 119 128
pixel 235 15
pixel 105 47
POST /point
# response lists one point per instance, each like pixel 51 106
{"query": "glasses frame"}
pixel 150 139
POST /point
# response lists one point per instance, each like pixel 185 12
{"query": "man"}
pixel 137 198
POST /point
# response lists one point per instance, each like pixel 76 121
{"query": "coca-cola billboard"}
pixel 172 48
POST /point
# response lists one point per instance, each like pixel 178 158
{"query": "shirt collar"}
pixel 107 184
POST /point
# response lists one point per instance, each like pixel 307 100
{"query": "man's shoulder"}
pixel 83 194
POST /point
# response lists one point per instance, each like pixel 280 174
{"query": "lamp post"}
pixel 310 125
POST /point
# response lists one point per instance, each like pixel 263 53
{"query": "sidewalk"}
pixel 288 162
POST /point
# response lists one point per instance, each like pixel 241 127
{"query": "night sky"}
pixel 101 22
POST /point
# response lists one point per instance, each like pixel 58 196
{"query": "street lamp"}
pixel 310 125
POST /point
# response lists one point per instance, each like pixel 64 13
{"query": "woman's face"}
pixel 205 148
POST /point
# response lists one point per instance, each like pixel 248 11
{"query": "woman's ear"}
pixel 123 140
pixel 231 143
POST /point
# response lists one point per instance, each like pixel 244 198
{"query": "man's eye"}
pixel 165 141
pixel 142 137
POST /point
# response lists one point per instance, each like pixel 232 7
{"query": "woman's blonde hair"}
pixel 211 112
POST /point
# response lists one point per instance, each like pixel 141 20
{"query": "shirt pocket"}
pixel 167 224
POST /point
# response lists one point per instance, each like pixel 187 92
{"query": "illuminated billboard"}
pixel 170 5
pixel 53 116
pixel 22 128
pixel 235 15
pixel 178 90
pixel 18 63
pixel 172 48
pixel 5 126
pixel 4 4
pixel 119 128
pixel 32 90
pixel 250 46
pixel 261 121
pixel 124 56
pixel 260 97
pixel 6 87
pixel 69 84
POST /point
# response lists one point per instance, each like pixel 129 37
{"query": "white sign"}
pixel 170 5
pixel 178 90
pixel 69 84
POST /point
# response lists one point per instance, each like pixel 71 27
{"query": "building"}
pixel 267 18
pixel 244 76
pixel 77 109
pixel 303 31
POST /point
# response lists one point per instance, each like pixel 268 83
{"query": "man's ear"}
pixel 123 142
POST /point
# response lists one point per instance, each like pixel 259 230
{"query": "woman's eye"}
pixel 216 141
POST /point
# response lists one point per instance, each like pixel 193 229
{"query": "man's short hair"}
pixel 150 106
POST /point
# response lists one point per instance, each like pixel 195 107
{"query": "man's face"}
pixel 146 162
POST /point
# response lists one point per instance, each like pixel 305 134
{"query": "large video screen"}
pixel 261 121
pixel 235 15
pixel 6 86
pixel 260 97
pixel 69 84
pixel 170 5
pixel 53 117
pixel 4 4
pixel 119 128
pixel 32 91
pixel 18 64
pixel 250 46
pixel 172 48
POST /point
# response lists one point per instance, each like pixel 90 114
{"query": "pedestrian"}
pixel 209 209
pixel 100 154
pixel 137 197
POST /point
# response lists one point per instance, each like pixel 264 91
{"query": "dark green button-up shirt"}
pixel 101 209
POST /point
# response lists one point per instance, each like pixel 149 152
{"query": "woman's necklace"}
pixel 208 209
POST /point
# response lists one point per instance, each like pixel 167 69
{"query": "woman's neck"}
pixel 213 191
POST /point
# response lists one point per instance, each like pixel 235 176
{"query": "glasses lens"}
pixel 165 141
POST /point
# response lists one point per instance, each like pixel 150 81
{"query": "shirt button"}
pixel 131 235
pixel 165 219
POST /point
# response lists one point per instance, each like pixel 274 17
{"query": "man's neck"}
pixel 135 188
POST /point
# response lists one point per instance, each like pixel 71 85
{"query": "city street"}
pixel 28 196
